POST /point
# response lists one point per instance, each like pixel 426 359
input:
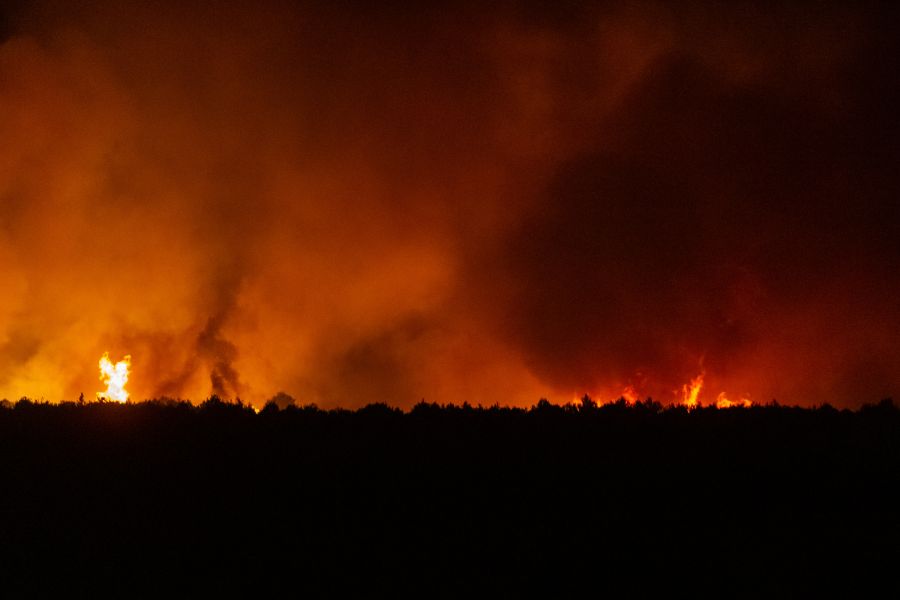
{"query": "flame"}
pixel 115 376
pixel 690 392
pixel 722 401
pixel 630 394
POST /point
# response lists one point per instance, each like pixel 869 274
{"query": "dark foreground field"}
pixel 449 502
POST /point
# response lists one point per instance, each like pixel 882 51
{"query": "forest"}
pixel 447 501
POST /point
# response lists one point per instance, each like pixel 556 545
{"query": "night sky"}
pixel 482 202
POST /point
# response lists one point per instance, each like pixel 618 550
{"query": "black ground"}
pixel 167 498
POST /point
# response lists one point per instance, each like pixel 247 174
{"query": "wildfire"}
pixel 722 401
pixel 690 392
pixel 630 394
pixel 115 376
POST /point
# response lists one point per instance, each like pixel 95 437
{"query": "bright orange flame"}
pixel 115 376
pixel 630 394
pixel 722 401
pixel 690 392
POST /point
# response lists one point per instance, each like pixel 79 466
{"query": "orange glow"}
pixel 578 401
pixel 722 401
pixel 690 392
pixel 215 199
pixel 115 376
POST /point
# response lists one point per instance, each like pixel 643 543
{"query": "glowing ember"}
pixel 690 392
pixel 722 401
pixel 115 376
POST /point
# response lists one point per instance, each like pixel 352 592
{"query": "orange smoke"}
pixel 261 198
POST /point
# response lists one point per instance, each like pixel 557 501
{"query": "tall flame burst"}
pixel 690 392
pixel 115 376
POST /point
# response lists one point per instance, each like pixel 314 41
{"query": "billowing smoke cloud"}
pixel 453 202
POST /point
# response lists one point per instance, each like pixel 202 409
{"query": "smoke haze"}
pixel 456 203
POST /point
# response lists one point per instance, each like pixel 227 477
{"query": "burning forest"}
pixel 463 203
pixel 455 299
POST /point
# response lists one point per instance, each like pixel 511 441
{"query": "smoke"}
pixel 733 216
pixel 452 202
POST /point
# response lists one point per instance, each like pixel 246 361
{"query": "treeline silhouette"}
pixel 447 501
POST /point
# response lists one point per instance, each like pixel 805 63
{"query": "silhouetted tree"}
pixel 282 400
pixel 587 403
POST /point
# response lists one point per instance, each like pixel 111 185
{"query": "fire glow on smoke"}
pixel 290 200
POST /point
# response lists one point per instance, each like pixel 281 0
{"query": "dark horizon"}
pixel 283 401
pixel 152 499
